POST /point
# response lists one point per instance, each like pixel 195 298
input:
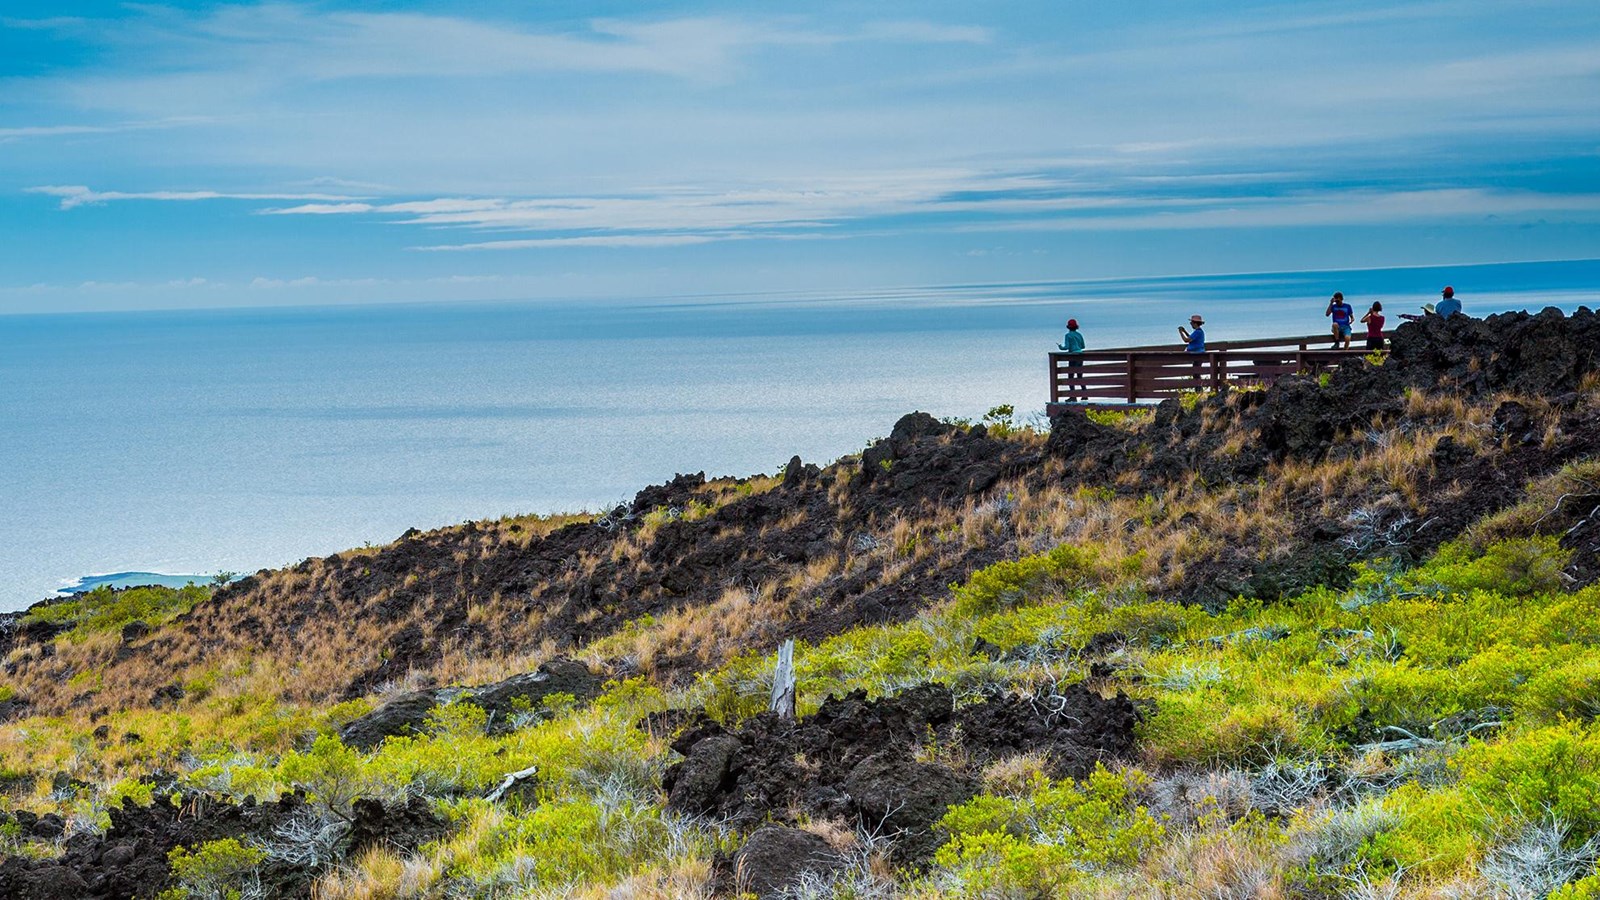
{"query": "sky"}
pixel 219 154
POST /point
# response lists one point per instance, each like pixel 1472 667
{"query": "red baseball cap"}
pixel 1072 323
pixel 1448 291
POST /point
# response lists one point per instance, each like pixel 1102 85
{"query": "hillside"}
pixel 1277 641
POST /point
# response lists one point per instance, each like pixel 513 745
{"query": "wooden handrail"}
pixel 1138 374
pixel 1301 342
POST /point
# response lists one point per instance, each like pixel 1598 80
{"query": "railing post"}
pixel 1133 386
pixel 1055 377
pixel 1219 369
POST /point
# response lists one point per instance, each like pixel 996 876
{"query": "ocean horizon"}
pixel 201 441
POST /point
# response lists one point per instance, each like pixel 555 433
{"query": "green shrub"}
pixel 1519 567
pixel 1435 836
pixel 215 870
pixel 1039 840
pixel 1551 772
pixel 1031 578
pixel 104 609
pixel 332 775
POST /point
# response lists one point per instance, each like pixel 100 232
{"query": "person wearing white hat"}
pixel 1194 337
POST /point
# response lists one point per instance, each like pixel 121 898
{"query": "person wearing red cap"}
pixel 1448 305
pixel 1073 343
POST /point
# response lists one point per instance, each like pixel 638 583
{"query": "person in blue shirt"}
pixel 1448 305
pixel 1343 315
pixel 1073 343
pixel 1194 337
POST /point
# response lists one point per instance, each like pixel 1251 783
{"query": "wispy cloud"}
pixel 947 200
pixel 23 132
pixel 76 195
pixel 606 240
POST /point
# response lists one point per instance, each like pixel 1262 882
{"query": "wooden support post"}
pixel 1133 385
pixel 783 682
pixel 1055 378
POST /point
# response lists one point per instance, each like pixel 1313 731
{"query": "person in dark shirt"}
pixel 1343 315
pixel 1374 323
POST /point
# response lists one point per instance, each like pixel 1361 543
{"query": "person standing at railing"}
pixel 1194 340
pixel 1194 337
pixel 1343 315
pixel 1374 322
pixel 1073 343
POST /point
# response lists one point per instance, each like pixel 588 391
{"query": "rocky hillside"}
pixel 1192 627
pixel 1452 427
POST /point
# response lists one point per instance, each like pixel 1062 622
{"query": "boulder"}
pixel 696 784
pixel 404 715
pixel 408 713
pixel 503 699
pixel 894 793
pixel 776 858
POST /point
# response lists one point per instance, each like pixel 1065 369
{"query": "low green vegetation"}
pixel 1424 732
pixel 104 609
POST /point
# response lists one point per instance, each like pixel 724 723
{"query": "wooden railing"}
pixel 1135 374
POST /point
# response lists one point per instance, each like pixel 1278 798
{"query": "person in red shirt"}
pixel 1374 321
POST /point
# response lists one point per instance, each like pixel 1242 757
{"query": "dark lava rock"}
pixel 400 827
pixel 1071 433
pixel 13 707
pixel 676 493
pixel 48 827
pixel 894 794
pixel 696 784
pixel 38 631
pixel 775 858
pixel 20 881
pixel 408 713
pixel 502 700
pixel 1513 422
pixel 135 630
pixel 856 758
pixel 167 696
pixel 925 461
pixel 1450 452
pixel 798 473
pixel 130 859
pixel 404 715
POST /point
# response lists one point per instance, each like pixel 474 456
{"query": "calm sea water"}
pixel 195 442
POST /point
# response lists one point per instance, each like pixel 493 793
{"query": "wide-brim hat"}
pixel 1196 320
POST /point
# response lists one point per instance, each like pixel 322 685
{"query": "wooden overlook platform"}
pixel 1131 375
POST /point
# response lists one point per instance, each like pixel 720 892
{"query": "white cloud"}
pixel 612 240
pixel 49 131
pixel 76 195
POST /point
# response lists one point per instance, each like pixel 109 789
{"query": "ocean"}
pixel 231 440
